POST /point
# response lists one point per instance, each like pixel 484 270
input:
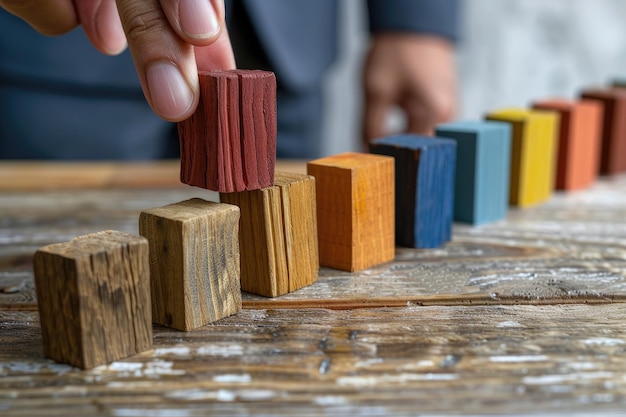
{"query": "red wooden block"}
pixel 613 154
pixel 258 127
pixel 229 143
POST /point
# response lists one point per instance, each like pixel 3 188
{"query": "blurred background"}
pixel 511 53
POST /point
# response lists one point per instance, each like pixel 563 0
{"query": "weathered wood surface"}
pixel 375 362
pixel 433 331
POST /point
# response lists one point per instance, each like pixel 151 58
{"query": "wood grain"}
pixel 94 298
pixel 355 210
pixel 613 153
pixel 229 143
pixel 194 262
pixel 278 238
pixel 533 154
pixel 579 141
pixel 424 178
pixel 485 360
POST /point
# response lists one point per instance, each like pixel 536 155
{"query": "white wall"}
pixel 513 52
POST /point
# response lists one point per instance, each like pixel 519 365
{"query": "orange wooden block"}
pixel 613 153
pixel 579 143
pixel 355 210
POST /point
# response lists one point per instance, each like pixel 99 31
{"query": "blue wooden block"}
pixel 424 188
pixel 482 169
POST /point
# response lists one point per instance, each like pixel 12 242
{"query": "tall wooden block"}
pixel 424 188
pixel 578 142
pixel 355 210
pixel 229 143
pixel 194 262
pixel 613 149
pixel 94 298
pixel 278 237
pixel 481 185
pixel 533 154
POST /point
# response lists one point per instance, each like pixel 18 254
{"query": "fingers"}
pixel 49 17
pixel 165 62
pixel 102 25
pixel 196 21
pixel 374 118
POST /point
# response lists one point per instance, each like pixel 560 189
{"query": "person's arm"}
pixel 169 44
pixel 410 64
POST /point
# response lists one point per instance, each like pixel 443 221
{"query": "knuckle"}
pixel 139 26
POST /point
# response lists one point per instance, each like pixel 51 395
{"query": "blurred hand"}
pixel 169 40
pixel 411 71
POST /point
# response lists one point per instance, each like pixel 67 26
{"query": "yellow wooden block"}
pixel 355 210
pixel 533 153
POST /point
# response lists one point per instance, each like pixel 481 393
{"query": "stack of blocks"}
pixel 98 294
pixel 424 188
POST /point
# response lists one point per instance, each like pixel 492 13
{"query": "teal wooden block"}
pixel 424 170
pixel 483 161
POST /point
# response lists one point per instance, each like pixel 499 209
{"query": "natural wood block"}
pixel 229 143
pixel 578 142
pixel 94 298
pixel 424 178
pixel 355 210
pixel 481 185
pixel 278 237
pixel 533 154
pixel 194 262
pixel 613 149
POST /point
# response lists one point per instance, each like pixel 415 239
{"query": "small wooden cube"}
pixel 355 210
pixel 613 149
pixel 94 298
pixel 278 237
pixel 424 188
pixel 229 143
pixel 481 185
pixel 533 154
pixel 578 142
pixel 194 262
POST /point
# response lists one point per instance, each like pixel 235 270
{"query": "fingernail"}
pixel 171 96
pixel 198 18
pixel 109 28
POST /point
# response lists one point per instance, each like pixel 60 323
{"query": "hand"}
pixel 411 71
pixel 169 40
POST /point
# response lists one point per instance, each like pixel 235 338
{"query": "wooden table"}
pixel 516 317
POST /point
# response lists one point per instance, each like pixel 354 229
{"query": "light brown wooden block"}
pixel 278 238
pixel 194 262
pixel 94 298
pixel 355 210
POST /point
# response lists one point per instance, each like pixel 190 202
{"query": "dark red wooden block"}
pixel 229 143
pixel 613 153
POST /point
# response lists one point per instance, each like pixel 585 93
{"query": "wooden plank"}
pixel 613 154
pixel 194 262
pixel 533 154
pixel 278 238
pixel 493 360
pixel 579 141
pixel 94 298
pixel 355 210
